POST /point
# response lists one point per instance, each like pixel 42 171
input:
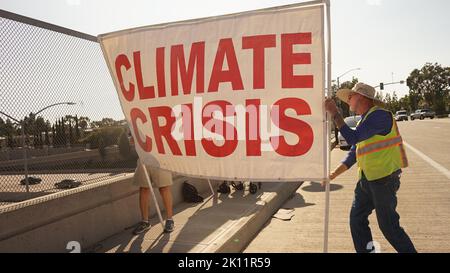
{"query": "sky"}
pixel 386 39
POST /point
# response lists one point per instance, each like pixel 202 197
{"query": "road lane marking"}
pixel 430 161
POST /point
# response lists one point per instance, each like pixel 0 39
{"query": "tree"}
pixel 11 132
pixel 59 133
pixel 404 104
pixel 392 103
pixel 388 101
pixel 63 132
pixel 77 129
pixel 58 138
pixel 379 96
pixel 395 103
pixel 47 140
pixel 430 85
pixel 124 145
pixel 2 127
pixel 105 122
pixel 53 135
pixel 40 126
pixel 71 140
pixel 8 130
pixel 84 122
pixel 414 100
pixel 102 147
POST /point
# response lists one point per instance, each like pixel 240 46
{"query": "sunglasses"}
pixel 350 96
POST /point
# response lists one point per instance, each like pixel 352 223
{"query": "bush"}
pixel 110 136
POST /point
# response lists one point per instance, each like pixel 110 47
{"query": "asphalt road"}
pixel 11 191
pixel 431 137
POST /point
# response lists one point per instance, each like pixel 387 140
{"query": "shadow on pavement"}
pixel 296 201
pixel 20 196
pixel 317 187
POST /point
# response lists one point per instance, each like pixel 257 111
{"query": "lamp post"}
pixel 354 69
pixel 339 104
pixel 24 147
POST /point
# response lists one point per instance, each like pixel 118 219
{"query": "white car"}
pixel 401 115
pixel 351 122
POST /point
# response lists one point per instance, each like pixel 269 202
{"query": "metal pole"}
pixel 25 157
pixel 153 195
pixel 327 147
pixel 211 188
pixel 336 134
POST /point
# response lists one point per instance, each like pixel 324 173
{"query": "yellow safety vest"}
pixel 380 156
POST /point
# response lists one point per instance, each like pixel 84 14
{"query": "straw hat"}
pixel 362 89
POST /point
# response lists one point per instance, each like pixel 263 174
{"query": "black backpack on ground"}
pixel 190 194
pixel 224 188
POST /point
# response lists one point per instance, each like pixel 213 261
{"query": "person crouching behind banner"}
pixel 163 181
pixel 377 148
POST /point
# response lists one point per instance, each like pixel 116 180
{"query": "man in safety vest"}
pixel 377 149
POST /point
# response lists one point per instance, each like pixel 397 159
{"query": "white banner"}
pixel 235 97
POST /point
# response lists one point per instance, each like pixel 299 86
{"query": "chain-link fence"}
pixel 60 119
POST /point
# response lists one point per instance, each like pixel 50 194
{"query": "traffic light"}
pixel 381 86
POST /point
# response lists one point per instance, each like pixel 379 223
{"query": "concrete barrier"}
pixel 86 215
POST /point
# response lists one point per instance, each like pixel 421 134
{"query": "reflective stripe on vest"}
pixel 380 145
pixel 405 162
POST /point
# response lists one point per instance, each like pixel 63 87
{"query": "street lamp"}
pixel 22 123
pixel 59 103
pixel 354 69
pixel 339 103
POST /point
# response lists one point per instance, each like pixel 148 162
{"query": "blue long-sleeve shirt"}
pixel 378 123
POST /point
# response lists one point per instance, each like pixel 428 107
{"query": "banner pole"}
pixel 327 147
pixel 211 188
pixel 153 194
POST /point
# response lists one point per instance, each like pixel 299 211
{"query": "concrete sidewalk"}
pixel 226 223
pixel 423 204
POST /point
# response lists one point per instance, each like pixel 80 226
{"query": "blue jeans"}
pixel 380 195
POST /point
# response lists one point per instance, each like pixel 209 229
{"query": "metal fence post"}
pixel 25 157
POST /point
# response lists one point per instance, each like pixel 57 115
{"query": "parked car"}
pixel 32 180
pixel 422 114
pixel 67 184
pixel 401 115
pixel 351 122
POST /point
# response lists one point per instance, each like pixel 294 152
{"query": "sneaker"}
pixel 142 227
pixel 169 226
